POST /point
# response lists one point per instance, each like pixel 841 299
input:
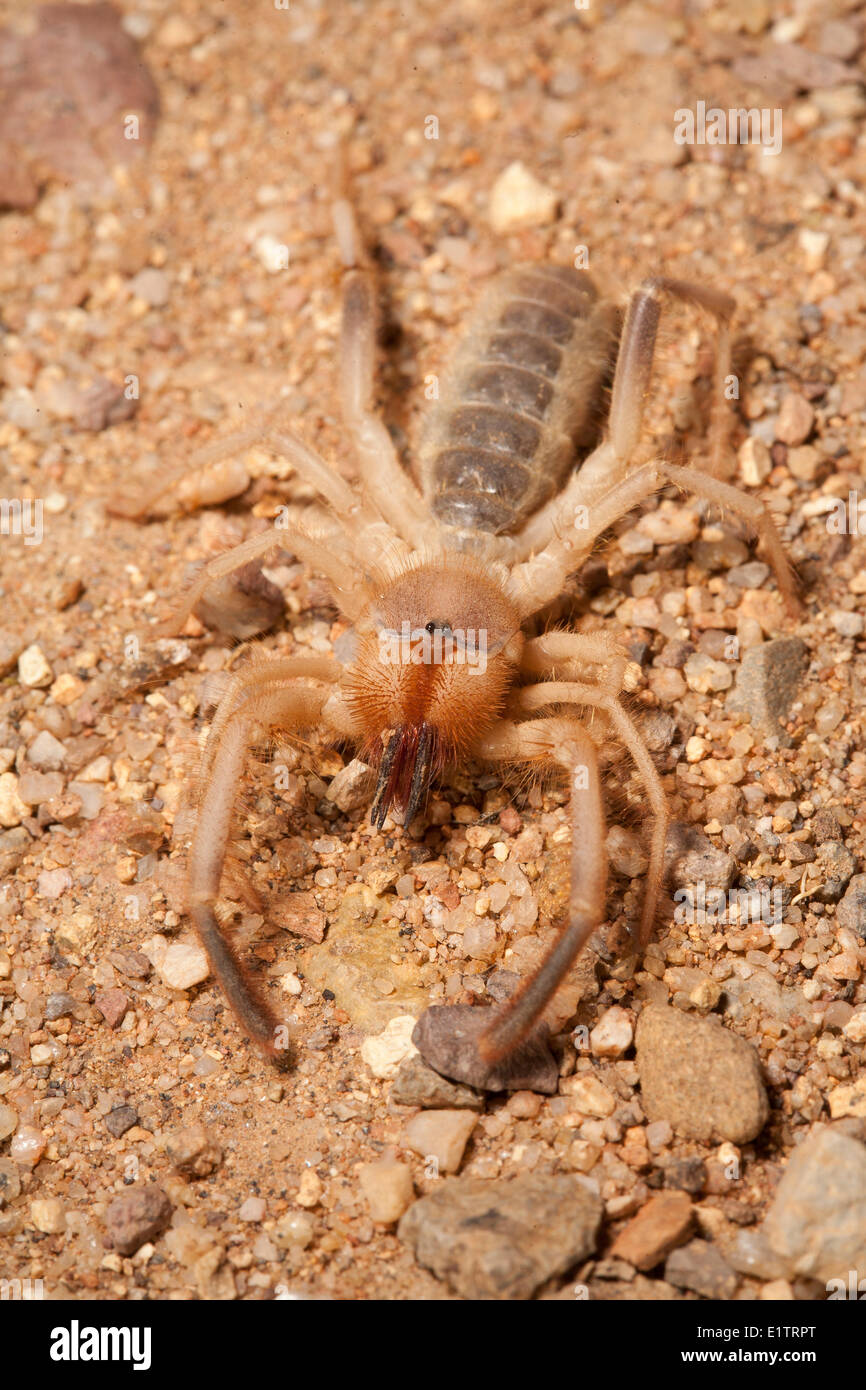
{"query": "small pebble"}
pixel 519 200
pixel 441 1135
pixel 384 1052
pixel 253 1209
pixel 612 1036
pixel 183 965
pixel 387 1188
pixel 796 419
pixel 309 1193
pixel 33 669
pixel 47 1214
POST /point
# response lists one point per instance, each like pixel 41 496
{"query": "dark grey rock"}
pixel 120 1119
pixel 837 864
pixel 418 1084
pixel 58 1006
pixel 503 1240
pixel 768 680
pixel 699 1266
pixel 686 1174
pixel 701 1078
pixel 447 1038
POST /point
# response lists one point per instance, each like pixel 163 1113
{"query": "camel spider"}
pixel 438 577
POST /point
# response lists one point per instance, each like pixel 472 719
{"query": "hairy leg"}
pixel 292 706
pixel 566 743
pixel 538 581
pixel 261 673
pixel 635 361
pixel 318 551
pixel 564 653
pixel 385 480
pixel 534 697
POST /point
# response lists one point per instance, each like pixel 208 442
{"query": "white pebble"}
pixel 612 1035
pixel 183 965
pixel 387 1188
pixel 33 669
pixel 12 808
pixel 384 1052
pixel 441 1136
pixel 519 200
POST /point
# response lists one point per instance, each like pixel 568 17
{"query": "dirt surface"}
pixel 166 304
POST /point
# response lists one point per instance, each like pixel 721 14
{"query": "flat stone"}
pixel 503 1240
pixel 663 1223
pixel 112 1004
pixel 447 1038
pixel 768 680
pixel 699 1266
pixel 440 1136
pixel 183 965
pixel 701 1078
pixel 417 1084
pixel 137 1216
pixel 817 1220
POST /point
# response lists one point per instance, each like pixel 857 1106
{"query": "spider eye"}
pixel 434 626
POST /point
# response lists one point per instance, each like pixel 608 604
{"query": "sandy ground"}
pixel 171 271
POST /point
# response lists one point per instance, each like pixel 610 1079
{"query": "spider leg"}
pixel 292 705
pixel 385 480
pixel 316 550
pixel 534 697
pixel 566 743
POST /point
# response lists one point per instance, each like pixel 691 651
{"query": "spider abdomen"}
pixel 523 402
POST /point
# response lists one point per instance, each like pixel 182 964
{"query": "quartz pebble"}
pixel 387 1188
pixel 183 965
pixel 384 1052
pixel 47 1215
pixel 33 668
pixel 518 200
pixel 440 1135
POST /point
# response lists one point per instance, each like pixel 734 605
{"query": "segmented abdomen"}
pixel 523 401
